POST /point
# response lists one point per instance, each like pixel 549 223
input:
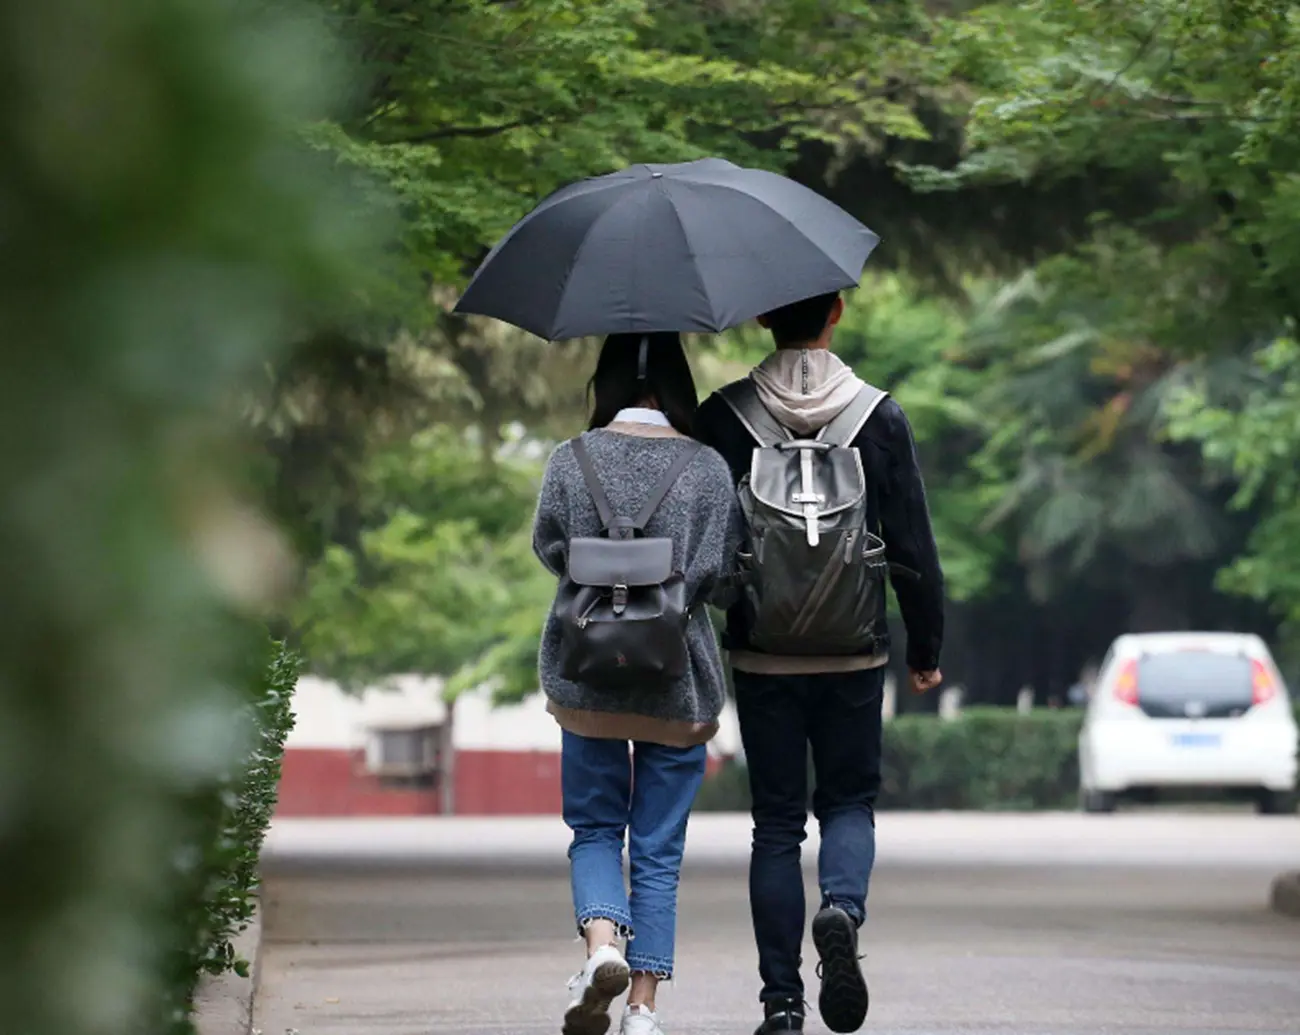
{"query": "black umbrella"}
pixel 698 246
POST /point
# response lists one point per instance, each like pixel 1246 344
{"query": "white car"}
pixel 1188 710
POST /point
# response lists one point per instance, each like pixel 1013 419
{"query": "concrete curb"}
pixel 721 841
pixel 223 1004
pixel 1286 894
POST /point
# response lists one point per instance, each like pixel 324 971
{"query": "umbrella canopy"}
pixel 697 246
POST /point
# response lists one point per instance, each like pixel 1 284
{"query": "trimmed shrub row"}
pixel 219 868
pixel 988 758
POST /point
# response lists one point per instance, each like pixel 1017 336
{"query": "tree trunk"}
pixel 447 774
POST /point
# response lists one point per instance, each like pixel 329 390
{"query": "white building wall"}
pixel 324 717
pixel 328 717
pixel 515 727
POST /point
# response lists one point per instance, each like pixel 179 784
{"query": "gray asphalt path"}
pixel 1045 925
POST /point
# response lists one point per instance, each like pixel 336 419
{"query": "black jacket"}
pixel 896 507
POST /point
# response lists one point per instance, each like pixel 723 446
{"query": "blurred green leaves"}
pixel 165 236
pixel 443 580
pixel 1194 105
pixel 1257 443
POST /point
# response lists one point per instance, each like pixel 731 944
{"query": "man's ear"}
pixel 763 322
pixel 837 310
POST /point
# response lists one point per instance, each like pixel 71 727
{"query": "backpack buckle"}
pixel 620 598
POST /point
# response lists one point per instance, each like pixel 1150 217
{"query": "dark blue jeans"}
pixel 838 715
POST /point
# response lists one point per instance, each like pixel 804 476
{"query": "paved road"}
pixel 1048 925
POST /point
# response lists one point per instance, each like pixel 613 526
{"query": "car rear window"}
pixel 1213 684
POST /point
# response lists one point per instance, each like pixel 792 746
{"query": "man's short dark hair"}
pixel 801 321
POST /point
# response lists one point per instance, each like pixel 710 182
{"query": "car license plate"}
pixel 1197 740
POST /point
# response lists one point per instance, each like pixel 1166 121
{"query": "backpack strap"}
pixel 593 481
pixel 661 489
pixel 843 428
pixel 665 484
pixel 743 399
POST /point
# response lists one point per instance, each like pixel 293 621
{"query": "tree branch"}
pixel 490 130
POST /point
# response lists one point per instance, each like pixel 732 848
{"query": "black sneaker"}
pixel 781 1015
pixel 843 1001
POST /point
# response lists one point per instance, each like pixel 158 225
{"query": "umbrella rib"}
pixel 739 189
pixel 577 255
pixel 756 257
pixel 574 190
pixel 690 253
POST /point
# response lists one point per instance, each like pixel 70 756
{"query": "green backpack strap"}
pixel 743 399
pixel 845 425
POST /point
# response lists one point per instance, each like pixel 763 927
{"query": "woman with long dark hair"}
pixel 633 756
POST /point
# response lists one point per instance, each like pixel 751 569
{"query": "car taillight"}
pixel 1262 686
pixel 1126 683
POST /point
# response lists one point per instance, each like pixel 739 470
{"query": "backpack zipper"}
pixel 584 618
pixel 803 360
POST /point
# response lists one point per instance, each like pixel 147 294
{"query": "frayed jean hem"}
pixel 619 917
pixel 655 966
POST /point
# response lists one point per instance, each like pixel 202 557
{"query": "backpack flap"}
pixel 620 563
pixel 808 480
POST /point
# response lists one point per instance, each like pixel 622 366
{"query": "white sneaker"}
pixel 637 1020
pixel 604 978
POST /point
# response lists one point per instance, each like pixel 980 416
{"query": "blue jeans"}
pixel 646 792
pixel 838 715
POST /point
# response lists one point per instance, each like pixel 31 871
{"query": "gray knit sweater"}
pixel 701 516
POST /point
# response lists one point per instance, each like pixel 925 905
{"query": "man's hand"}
pixel 923 681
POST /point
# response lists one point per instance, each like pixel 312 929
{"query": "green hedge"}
pixel 988 758
pixel 220 865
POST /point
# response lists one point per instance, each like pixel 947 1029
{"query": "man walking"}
pixel 808 641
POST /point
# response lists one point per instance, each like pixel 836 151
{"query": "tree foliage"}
pixel 1257 444
pixel 1197 102
pixel 442 579
pixel 1105 190
pixel 473 111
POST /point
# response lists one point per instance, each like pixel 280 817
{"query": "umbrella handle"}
pixel 805 443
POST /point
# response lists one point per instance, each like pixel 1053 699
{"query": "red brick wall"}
pixel 507 783
pixel 333 782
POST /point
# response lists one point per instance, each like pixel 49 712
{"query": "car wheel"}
pixel 1097 802
pixel 1277 803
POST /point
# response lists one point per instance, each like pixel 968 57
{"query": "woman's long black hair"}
pixel 616 385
